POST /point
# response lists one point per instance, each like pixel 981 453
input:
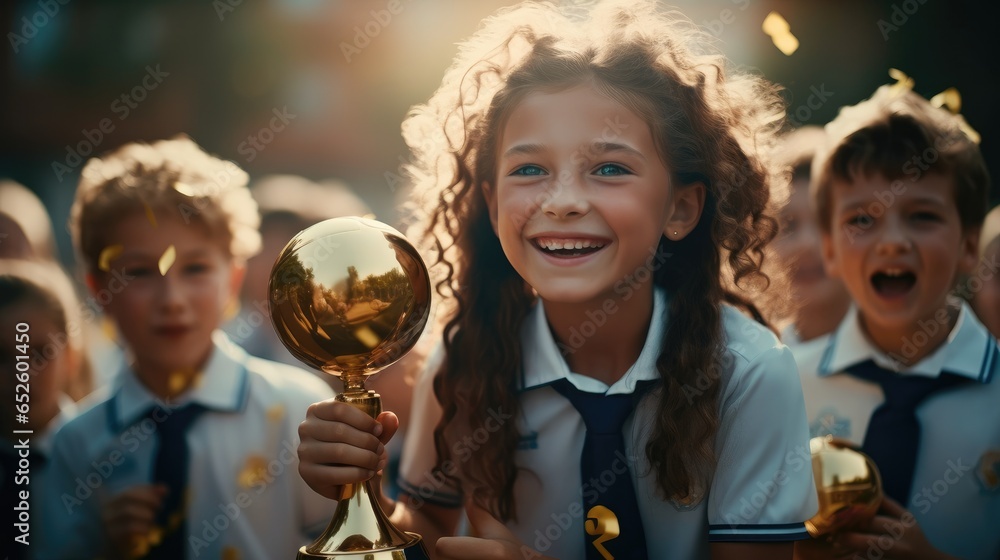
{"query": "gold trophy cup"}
pixel 848 486
pixel 350 296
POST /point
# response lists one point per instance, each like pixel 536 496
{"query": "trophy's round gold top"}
pixel 848 485
pixel 349 296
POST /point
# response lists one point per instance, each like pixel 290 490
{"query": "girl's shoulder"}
pixel 745 338
pixel 753 359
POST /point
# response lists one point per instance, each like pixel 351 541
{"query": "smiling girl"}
pixel 593 192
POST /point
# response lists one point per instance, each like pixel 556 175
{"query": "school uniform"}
pixel 41 442
pixel 761 490
pixel 955 491
pixel 245 498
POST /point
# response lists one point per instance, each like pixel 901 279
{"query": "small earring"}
pixel 675 233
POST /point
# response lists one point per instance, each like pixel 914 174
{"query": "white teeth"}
pixel 555 245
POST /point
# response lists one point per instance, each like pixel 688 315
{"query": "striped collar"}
pixel 970 350
pixel 223 386
pixel 544 363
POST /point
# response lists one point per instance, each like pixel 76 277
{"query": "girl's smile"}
pixel 568 249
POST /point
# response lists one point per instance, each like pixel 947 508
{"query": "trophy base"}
pixel 412 551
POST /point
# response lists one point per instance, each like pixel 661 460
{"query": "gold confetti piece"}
pixel 178 381
pixel 149 214
pixel 970 132
pixel 110 253
pixel 777 28
pixel 254 472
pixel 232 309
pixel 184 188
pixel 786 43
pixel 108 329
pixel 950 99
pixel 903 82
pixel 275 413
pixel 167 260
pixel 139 547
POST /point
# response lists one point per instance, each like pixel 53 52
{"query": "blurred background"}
pixel 319 88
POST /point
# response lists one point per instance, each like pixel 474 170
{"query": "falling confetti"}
pixel 110 253
pixel 950 99
pixel 972 133
pixel 167 260
pixel 275 413
pixel 184 188
pixel 108 329
pixel 254 472
pixel 903 82
pixel 778 29
pixel 180 379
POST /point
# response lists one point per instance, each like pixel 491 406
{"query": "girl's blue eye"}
pixel 861 220
pixel 611 169
pixel 529 170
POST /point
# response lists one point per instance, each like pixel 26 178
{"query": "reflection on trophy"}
pixel 351 296
pixel 847 483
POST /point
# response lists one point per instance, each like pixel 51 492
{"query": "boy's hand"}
pixel 493 541
pixel 130 517
pixel 341 445
pixel 892 534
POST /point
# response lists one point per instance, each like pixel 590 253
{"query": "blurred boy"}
pixel 911 375
pixel 984 284
pixel 25 212
pixel 191 453
pixel 819 301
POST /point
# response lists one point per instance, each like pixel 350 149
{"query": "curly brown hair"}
pixel 709 125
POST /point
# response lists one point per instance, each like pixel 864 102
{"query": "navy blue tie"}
pixel 170 468
pixel 613 526
pixel 893 436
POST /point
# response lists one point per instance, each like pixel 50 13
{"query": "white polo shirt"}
pixel 956 485
pixel 762 488
pixel 247 500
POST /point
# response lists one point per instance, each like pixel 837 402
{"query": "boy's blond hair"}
pixel 173 175
pixel 899 135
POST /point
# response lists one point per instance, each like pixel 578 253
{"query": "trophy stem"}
pixel 359 528
pixel 354 384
